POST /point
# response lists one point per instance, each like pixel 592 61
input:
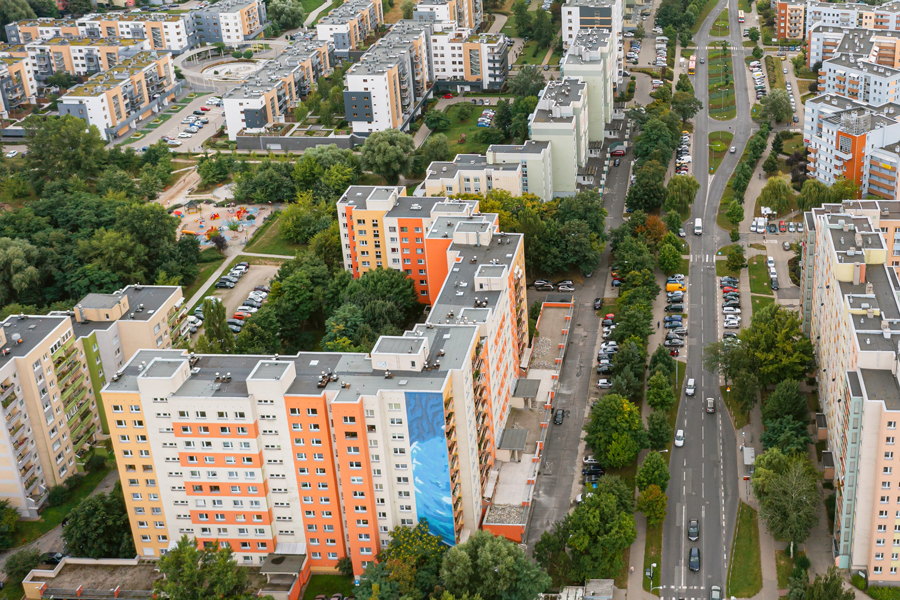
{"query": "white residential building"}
pixel 561 118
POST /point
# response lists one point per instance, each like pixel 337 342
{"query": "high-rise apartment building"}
pixel 81 56
pixel 591 57
pixel 789 16
pixel 850 308
pixel 464 60
pixel 323 454
pixel 17 84
pixel 467 14
pixel 229 21
pixel 348 25
pixel 561 118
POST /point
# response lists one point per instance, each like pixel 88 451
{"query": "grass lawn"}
pixel 776 77
pixel 759 276
pixel 28 531
pixel 720 28
pixel 707 8
pixel 621 580
pixel 459 127
pixel 509 28
pixel 784 564
pixel 531 54
pixel 267 241
pixel 745 572
pixel 804 73
pixel 210 259
pixel 758 302
pixel 328 585
pixel 792 145
pixel 722 270
pixel 739 416
pixel 555 58
pixel 721 86
pixel 310 5
pixel 719 143
pixel 744 5
pixel 653 554
pixel 334 4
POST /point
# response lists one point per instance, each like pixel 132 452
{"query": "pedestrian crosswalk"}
pixel 686 587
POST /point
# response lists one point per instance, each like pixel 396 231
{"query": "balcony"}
pixel 28 470
pixel 68 390
pixel 74 400
pixel 30 483
pixel 811 167
pixel 80 428
pixel 84 437
pixel 63 350
pixel 13 419
pixel 81 410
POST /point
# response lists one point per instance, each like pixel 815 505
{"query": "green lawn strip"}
pixel 531 54
pixel 793 145
pixel 311 5
pixel 759 302
pixel 720 28
pixel 468 127
pixel 329 585
pixel 804 73
pixel 653 554
pixel 759 276
pixel 707 8
pixel 784 564
pixel 509 28
pixel 12 591
pixel 267 240
pixel 739 416
pixel 28 531
pixel 722 270
pixel 210 259
pixel 776 77
pixel 721 94
pixel 621 580
pixel 745 571
pixel 745 6
pixel 719 144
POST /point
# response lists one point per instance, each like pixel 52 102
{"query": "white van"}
pixel 690 390
pixel 698 227
pixel 657 82
pixel 755 63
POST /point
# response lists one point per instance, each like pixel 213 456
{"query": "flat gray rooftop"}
pixel 529 147
pixel 855 384
pixel 31 330
pixel 881 385
pixel 398 345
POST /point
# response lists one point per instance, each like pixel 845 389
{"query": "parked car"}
pixel 679 438
pixel 693 530
pixel 224 284
pixel 558 416
pixel 598 303
pixel 694 560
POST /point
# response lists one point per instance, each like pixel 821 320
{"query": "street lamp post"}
pixel 649 574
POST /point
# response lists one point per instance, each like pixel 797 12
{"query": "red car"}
pixel 204 108
pixel 727 289
pixel 619 152
pixel 782 227
pixel 610 316
pixel 448 96
pixel 241 315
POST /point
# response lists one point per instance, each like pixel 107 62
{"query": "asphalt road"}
pixel 704 476
pixel 561 460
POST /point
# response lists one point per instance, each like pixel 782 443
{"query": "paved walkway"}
pixel 499 22
pixel 52 540
pixel 314 14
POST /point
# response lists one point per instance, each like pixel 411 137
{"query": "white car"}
pixel 784 71
pixel 580 498
pixel 733 149
pixel 770 262
pixel 629 34
pixel 589 460
pixel 12 154
pixel 690 390
pixel 247 309
pixel 732 324
pixel 731 310
pixel 185 134
pixel 604 384
pixel 173 143
pixel 679 438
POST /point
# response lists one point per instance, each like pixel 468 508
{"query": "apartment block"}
pixel 605 15
pixel 591 57
pixel 467 61
pixel 561 118
pixel 348 25
pixel 850 298
pixel 535 158
pixel 49 405
pixel 17 84
pixel 387 87
pixel 80 56
pixel 466 14
pixel 853 140
pixel 471 174
pixel 851 15
pixel 276 88
pixel 322 454
pixel 789 17
pixel 229 21
pixel 30 30
pixel 115 99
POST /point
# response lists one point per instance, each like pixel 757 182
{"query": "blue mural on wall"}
pixel 431 465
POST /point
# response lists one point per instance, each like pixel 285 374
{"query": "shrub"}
pixel 57 495
pixel 858 581
pixel 802 562
pixel 74 481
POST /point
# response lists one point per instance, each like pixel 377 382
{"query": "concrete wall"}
pixel 295 144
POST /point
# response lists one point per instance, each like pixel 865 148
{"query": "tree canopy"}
pixel 199 574
pixel 615 431
pixel 98 527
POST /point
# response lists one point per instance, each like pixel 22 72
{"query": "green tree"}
pixel 787 434
pixel 776 195
pixel 659 432
pixel 776 346
pixel 770 165
pixel 615 431
pixel 826 586
pixel 9 519
pixel 59 147
pixel 735 260
pixel 790 507
pixel 19 268
pixel 685 105
pixel 639 32
pixel 653 471
pixel 626 383
pixel 543 28
pixel 523 23
pixel 659 393
pixel 652 502
pixel 813 194
pixel 753 34
pixel 735 213
pixel 745 391
pixel 286 14
pixel 80 7
pixel 493 568
pixel 412 562
pixel 529 81
pixel 669 259
pixel 844 188
pixel 217 338
pixel 786 401
pixel 777 144
pixel 407 8
pixel 437 120
pixel 62 79
pixel 20 564
pixel 435 148
pixel 680 193
pixel 12 11
pixel 193 574
pixel 662 362
pixel 388 154
pixel 98 527
pixel 776 106
pixel 648 191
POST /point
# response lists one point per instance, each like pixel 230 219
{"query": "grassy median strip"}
pixel 721 85
pixel 745 571
pixel 720 28
pixel 719 143
pixel 759 276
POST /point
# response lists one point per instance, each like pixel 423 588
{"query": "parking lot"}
pixel 174 126
pixel 235 297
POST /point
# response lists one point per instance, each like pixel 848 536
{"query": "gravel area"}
pixel 505 514
pixel 542 356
